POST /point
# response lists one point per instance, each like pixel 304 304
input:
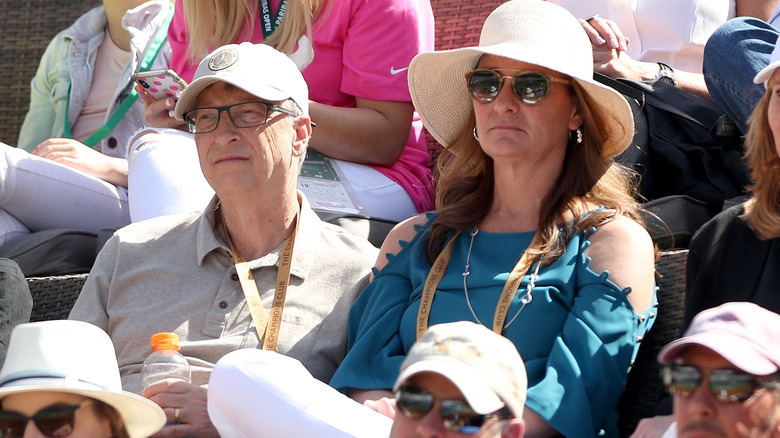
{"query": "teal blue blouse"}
pixel 578 336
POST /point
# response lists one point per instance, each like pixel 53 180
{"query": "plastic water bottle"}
pixel 165 362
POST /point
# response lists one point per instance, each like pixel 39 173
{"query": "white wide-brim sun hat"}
pixel 532 31
pixel 77 358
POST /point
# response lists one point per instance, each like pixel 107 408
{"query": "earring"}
pixel 577 134
pixel 475 133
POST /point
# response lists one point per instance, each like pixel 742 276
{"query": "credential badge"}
pixel 223 59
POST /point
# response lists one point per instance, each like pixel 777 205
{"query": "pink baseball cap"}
pixel 745 334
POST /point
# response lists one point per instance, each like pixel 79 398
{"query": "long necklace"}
pixel 524 300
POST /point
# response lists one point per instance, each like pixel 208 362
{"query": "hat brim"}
pixel 438 88
pixel 481 398
pixel 766 73
pixel 141 416
pixel 742 354
pixel 187 100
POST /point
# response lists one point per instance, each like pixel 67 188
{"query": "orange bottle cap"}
pixel 165 341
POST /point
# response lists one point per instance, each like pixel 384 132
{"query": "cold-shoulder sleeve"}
pixel 576 386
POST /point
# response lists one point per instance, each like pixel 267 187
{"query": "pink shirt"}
pixel 362 48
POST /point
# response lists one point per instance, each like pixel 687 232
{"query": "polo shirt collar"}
pixel 304 252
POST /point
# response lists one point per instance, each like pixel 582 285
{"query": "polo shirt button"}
pixel 112 142
pixel 222 305
pixel 234 277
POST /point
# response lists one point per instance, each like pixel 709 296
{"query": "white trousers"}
pixel 39 194
pixel 254 393
pixel 164 175
pixel 382 197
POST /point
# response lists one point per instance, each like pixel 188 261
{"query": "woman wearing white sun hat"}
pixel 61 377
pixel 535 235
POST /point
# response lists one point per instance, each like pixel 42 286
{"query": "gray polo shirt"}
pixel 174 274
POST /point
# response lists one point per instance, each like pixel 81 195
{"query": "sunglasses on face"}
pixel 456 415
pixel 529 86
pixel 53 421
pixel 243 115
pixel 726 385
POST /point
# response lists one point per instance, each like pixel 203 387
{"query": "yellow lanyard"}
pixel 510 287
pixel 252 294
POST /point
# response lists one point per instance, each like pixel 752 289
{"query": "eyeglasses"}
pixel 529 86
pixel 243 115
pixel 456 415
pixel 726 385
pixel 53 421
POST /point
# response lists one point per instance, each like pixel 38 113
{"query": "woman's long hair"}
pixel 213 23
pixel 465 186
pixel 762 210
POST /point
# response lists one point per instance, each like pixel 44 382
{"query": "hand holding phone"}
pixel 160 84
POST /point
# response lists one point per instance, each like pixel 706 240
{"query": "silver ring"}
pixel 176 415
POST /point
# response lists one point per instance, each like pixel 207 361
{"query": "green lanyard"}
pixel 270 24
pixel 151 53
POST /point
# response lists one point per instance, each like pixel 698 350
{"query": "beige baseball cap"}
pixel 485 366
pixel 258 69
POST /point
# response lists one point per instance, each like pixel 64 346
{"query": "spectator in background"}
pixel 724 374
pixel 198 275
pixel 61 379
pixel 71 167
pixel 734 257
pixel 354 55
pixel 77 130
pixel 459 379
pixel 648 40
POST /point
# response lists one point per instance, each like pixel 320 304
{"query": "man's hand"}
pixel 609 51
pixel 189 401
pixel 384 405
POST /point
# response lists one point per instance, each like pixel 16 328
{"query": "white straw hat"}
pixel 532 31
pixel 485 366
pixel 78 358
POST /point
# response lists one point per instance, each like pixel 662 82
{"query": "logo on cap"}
pixel 224 59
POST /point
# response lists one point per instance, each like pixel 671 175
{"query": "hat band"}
pixel 13 380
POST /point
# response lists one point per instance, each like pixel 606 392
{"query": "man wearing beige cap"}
pixel 460 379
pixel 256 269
pixel 724 373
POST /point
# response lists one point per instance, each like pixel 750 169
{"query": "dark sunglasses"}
pixel 726 385
pixel 456 415
pixel 529 86
pixel 243 115
pixel 53 421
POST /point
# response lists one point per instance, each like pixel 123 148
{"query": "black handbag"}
pixel 683 144
pixel 686 150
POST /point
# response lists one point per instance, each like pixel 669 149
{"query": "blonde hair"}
pixel 762 210
pixel 214 23
pixel 465 186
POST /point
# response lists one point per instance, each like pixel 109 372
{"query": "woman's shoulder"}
pixel 400 235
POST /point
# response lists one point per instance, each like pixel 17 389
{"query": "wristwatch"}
pixel 666 74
